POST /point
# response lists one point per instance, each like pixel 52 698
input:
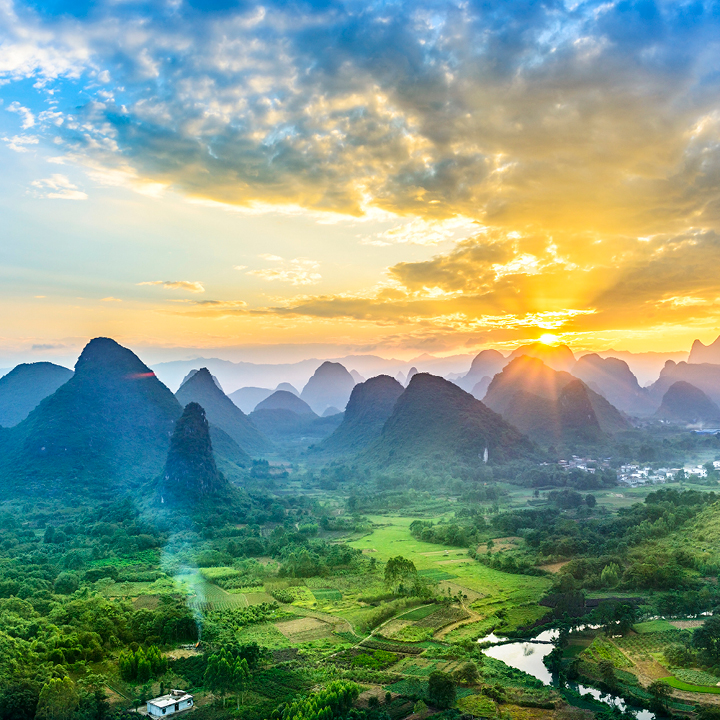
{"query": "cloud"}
pixel 47 346
pixel 110 299
pixel 564 156
pixel 18 143
pixel 27 119
pixel 58 187
pixel 299 271
pixel 193 286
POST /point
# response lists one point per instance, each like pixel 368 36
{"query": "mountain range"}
pixel 685 403
pixel 552 406
pixel 435 425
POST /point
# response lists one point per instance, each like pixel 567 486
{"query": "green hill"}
pixel 190 470
pixel 222 412
pixel 109 425
pixel 684 403
pixel 371 404
pixel 435 425
pixel 24 387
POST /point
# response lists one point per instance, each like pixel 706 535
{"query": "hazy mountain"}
pixel 290 430
pixel 700 353
pixel 357 377
pixel 288 387
pixel 201 388
pixel 330 411
pixel 645 366
pixel 190 469
pixel 704 376
pixel 284 400
pixel 248 397
pixel 401 378
pixel 613 379
pixel 192 373
pixel 22 389
pixel 370 405
pixel 480 388
pixel 685 403
pixel 557 357
pixel 412 372
pixel 330 385
pixel 551 406
pixel 435 425
pixel 487 363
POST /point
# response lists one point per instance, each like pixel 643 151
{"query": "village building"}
pixel 174 702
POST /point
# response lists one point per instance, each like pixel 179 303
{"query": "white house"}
pixel 174 702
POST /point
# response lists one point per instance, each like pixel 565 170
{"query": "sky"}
pixel 377 177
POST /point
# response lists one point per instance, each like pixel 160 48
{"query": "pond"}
pixel 527 655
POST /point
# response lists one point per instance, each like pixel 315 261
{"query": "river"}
pixel 527 655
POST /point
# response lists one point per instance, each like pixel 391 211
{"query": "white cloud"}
pixel 193 286
pixel 299 271
pixel 26 117
pixel 58 187
pixel 18 142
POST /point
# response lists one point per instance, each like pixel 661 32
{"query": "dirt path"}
pixel 444 631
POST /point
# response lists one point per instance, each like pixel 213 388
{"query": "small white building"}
pixel 174 702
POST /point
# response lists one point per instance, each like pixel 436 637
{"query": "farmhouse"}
pixel 175 701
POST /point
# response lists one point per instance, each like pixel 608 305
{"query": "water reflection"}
pixel 527 655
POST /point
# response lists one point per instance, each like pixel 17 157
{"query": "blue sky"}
pixel 395 177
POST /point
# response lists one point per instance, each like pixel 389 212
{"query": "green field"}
pixel 687 687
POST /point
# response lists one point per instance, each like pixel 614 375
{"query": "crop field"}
pixel 689 687
pixel 391 537
pixel 325 595
pixel 653 626
pixel 419 613
pixel 695 677
pixel 304 629
pixel 601 649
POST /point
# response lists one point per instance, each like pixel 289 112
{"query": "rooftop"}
pixel 174 696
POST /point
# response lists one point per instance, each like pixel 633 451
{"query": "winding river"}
pixel 527 655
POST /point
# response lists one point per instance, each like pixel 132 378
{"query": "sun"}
pixel 549 339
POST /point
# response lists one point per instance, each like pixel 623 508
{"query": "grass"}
pixel 477 705
pixel 325 595
pixel 653 626
pixel 688 687
pixel 419 613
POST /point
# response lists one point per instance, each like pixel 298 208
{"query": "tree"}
pixel 398 570
pixel 660 692
pixel 607 670
pixel 441 689
pixel 467 673
pixel 219 674
pixel 58 700
pixel 590 501
pixel 66 583
pixel 240 679
pixel 610 575
pixel 707 638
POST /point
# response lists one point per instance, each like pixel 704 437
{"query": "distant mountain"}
pixel 552 406
pixel 486 364
pixel 557 357
pixel 700 353
pixel 192 373
pixel 357 377
pixel 412 372
pixel 22 389
pixel 248 397
pixel 291 431
pixel 284 400
pixel 704 376
pixel 401 378
pixel 201 388
pixel 685 403
pixel 330 385
pixel 190 469
pixel 436 425
pixel 480 388
pixel 288 387
pixel 110 423
pixel 330 411
pixel 614 380
pixel 371 404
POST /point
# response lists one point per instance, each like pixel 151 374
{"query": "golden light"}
pixel 549 339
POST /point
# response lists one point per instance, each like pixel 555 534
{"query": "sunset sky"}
pixel 387 177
